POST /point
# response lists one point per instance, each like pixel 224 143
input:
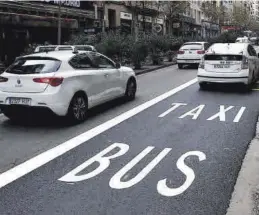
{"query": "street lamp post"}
pixel 59 23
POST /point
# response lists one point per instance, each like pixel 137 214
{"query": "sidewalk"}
pixel 245 198
pixel 150 68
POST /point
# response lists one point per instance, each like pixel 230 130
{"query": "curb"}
pixel 245 197
pixel 153 69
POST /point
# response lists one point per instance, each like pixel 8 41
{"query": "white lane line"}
pixel 47 156
pixel 239 114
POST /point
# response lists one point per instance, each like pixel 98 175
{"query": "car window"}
pixel 206 46
pixel 84 48
pixel 253 51
pixel 24 66
pixel 81 61
pixel 192 47
pixel 102 62
pixel 46 49
pixel 62 48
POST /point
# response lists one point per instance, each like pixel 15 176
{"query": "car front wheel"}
pixel 78 108
pixel 203 85
pixel 131 89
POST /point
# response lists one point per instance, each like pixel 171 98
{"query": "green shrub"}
pixel 226 37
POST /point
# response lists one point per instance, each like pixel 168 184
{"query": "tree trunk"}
pixel 170 27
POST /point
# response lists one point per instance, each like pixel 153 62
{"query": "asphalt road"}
pixel 179 156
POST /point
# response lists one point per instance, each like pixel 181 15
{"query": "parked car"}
pixel 64 47
pixel 191 53
pixel 243 40
pixel 229 63
pixel 66 83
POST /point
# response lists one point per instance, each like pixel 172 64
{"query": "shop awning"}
pixel 36 21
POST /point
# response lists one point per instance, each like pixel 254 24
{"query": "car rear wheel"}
pixel 131 89
pixel 78 108
pixel 180 66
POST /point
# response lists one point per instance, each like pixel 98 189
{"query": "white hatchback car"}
pixel 67 83
pixel 191 53
pixel 229 63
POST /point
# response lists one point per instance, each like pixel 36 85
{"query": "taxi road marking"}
pixel 195 113
pixel 49 155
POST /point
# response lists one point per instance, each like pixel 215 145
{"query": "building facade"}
pixel 27 22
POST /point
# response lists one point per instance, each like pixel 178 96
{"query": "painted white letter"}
pixel 194 112
pixel 116 182
pixel 164 190
pixel 221 115
pixel 103 161
pixel 239 114
pixel 175 105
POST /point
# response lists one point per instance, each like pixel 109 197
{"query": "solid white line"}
pixel 47 156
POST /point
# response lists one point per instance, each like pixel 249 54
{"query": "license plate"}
pixel 219 66
pixel 19 101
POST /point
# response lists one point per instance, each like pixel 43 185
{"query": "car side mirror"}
pixel 118 65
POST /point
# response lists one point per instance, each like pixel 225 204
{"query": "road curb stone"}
pixel 245 197
pixel 153 69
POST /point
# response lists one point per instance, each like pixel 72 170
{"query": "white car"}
pixel 191 53
pixel 67 83
pixel 229 63
pixel 64 47
pixel 242 40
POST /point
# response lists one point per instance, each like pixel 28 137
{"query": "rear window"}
pixel 224 57
pixel 46 49
pixel 65 48
pixel 84 48
pixel 33 66
pixel 192 47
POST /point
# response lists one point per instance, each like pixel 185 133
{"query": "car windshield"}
pixel 33 66
pixel 192 47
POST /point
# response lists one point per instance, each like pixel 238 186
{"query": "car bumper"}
pixel 39 101
pixel 188 61
pixel 240 77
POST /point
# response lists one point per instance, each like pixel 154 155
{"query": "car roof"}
pixel 59 55
pixel 227 48
pixel 194 43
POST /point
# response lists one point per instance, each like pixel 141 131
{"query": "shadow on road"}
pixel 53 121
pixel 228 88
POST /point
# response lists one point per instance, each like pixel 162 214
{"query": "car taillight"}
pixel 244 63
pixel 201 65
pixel 54 81
pixel 3 79
pixel 180 52
pixel 200 52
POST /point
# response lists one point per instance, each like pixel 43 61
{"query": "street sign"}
pixel 157 28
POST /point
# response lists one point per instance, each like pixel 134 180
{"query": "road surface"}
pixel 175 150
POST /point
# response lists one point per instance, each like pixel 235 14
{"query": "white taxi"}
pixel 64 82
pixel 229 63
pixel 191 53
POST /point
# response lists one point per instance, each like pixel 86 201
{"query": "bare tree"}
pixel 241 16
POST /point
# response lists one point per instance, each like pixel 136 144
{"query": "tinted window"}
pixel 102 62
pixel 192 47
pixel 206 46
pixel 84 48
pixel 65 48
pixel 33 66
pixel 46 49
pixel 81 61
pixel 223 57
pixel 251 51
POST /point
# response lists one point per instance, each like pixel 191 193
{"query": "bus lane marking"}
pixel 39 160
pixel 115 182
